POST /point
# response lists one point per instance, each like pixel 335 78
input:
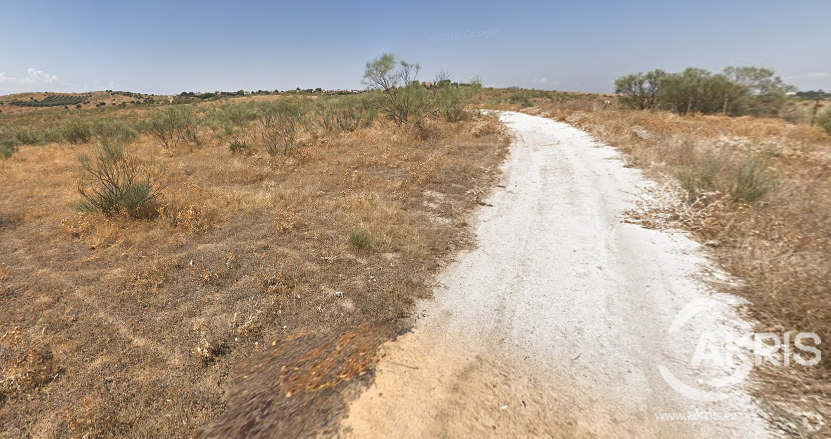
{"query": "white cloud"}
pixel 547 81
pixel 36 76
pixel 35 80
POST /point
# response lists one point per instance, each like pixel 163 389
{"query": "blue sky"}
pixel 167 47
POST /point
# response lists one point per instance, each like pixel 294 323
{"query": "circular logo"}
pixel 732 340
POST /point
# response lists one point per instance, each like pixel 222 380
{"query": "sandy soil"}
pixel 560 322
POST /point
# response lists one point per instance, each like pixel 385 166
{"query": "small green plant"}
pixel 115 182
pixel 237 146
pixel 360 239
pixel 751 180
pixel 701 176
pixel 7 148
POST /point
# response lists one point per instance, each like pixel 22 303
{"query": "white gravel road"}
pixel 561 320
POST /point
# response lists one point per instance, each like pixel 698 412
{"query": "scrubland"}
pixel 154 257
pixel 170 269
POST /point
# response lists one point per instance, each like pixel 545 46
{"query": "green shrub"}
pixel 231 121
pixel 279 124
pixel 345 113
pixel 736 91
pixel 824 121
pixel 171 126
pixel 115 182
pixel 76 131
pixel 113 130
pixel 700 177
pixel 240 114
pixel 55 134
pixel 28 137
pixel 450 101
pixel 751 180
pixel 7 148
pixel 403 99
pixel 360 239
pixel 521 97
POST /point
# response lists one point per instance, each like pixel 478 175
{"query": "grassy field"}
pixel 251 254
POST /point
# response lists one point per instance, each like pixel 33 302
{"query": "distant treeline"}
pixel 735 91
pixel 811 95
pixel 189 96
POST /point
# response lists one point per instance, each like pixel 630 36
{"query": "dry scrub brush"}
pixel 146 319
pixel 116 181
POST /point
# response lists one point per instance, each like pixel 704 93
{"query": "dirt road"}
pixel 564 321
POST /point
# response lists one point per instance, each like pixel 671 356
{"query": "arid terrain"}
pixel 288 241
pixel 114 326
pixel 557 323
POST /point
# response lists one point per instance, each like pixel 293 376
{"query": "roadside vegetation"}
pixel 150 250
pixel 737 91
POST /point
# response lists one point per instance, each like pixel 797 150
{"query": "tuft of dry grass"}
pixel 758 193
pixel 147 320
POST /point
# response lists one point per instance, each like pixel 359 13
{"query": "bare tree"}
pixel 442 76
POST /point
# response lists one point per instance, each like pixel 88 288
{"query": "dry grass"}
pixel 778 244
pixel 126 328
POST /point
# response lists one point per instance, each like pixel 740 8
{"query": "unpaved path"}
pixel 557 323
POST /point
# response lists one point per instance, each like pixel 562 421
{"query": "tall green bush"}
pixel 405 100
pixel 450 100
pixel 737 91
pixel 640 90
pixel 280 123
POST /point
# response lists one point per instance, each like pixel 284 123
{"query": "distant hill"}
pixel 40 101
